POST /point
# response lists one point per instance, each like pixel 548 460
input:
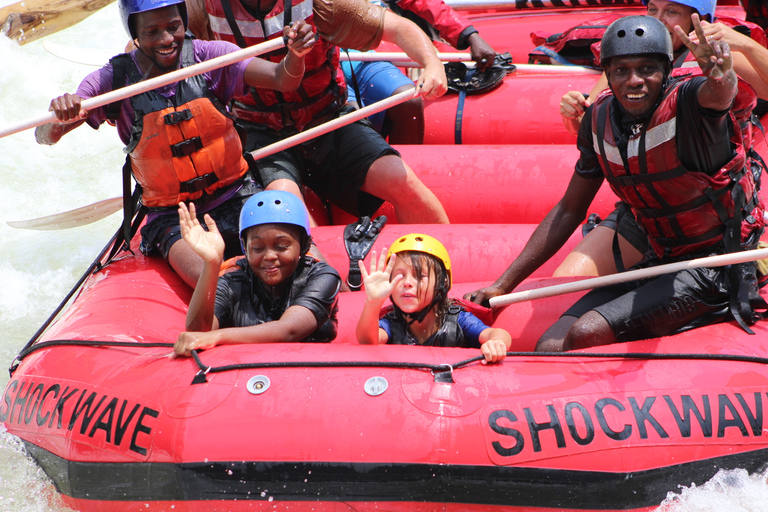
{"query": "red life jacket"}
pixel 185 147
pixel 322 91
pixel 682 210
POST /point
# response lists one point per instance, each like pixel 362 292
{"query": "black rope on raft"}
pixel 436 369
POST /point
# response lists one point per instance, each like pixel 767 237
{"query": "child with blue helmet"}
pixel 276 294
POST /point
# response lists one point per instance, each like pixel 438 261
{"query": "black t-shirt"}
pixel 703 135
pixel 243 300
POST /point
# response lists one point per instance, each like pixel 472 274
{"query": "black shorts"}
pixel 333 165
pixel 629 228
pixel 162 230
pixel 661 305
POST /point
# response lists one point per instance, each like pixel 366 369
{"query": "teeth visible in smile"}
pixel 635 96
pixel 166 52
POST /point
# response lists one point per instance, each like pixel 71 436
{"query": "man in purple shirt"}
pixel 182 144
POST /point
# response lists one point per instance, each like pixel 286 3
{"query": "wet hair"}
pixel 420 261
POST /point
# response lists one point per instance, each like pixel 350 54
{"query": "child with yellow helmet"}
pixel 416 274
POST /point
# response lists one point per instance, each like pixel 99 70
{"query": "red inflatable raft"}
pixel 119 425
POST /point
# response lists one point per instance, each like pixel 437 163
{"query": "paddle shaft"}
pixel 333 124
pixel 401 60
pixel 720 260
pixel 97 211
pixel 153 83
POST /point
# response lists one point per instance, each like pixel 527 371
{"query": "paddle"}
pixel 710 261
pixel 153 83
pixel 97 211
pixel 401 60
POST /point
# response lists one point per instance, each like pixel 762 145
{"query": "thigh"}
pixel 338 167
pixel 667 304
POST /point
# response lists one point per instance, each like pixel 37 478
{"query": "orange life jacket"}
pixel 183 147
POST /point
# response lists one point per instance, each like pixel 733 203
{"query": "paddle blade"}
pixel 73 218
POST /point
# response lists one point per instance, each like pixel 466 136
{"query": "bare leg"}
pixel 392 180
pixel 593 256
pixel 291 186
pixel 407 120
pixel 553 338
pixel 591 330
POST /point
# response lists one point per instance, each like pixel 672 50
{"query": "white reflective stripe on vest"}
pixel 252 29
pixel 611 151
pixel 654 137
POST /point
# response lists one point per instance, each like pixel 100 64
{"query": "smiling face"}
pixel 417 288
pixel 273 251
pixel 636 81
pixel 671 14
pixel 159 37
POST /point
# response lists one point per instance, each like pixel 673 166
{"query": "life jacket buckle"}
pixel 198 184
pixel 187 147
pixel 177 117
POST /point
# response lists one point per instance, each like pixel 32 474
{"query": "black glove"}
pixel 358 239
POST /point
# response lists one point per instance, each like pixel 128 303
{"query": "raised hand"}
pixel 377 284
pixel 209 245
pixel 713 56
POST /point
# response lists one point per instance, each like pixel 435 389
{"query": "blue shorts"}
pixel 376 81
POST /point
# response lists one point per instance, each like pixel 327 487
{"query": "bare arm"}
pixel 377 288
pixel 294 325
pixel 286 75
pixel 714 59
pixel 750 58
pixel 494 344
pixel 547 239
pixel 209 245
pixel 408 36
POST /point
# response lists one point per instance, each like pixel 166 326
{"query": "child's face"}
pixel 414 292
pixel 273 251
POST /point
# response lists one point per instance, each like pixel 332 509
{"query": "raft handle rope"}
pixel 435 369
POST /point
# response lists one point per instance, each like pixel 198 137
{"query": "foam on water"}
pixel 37 268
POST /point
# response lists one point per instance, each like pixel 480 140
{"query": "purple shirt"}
pixel 224 83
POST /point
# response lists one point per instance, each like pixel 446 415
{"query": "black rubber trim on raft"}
pixel 367 482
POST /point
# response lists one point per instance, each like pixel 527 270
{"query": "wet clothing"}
pixel 704 139
pixel 243 300
pixel 335 166
pixel 184 148
pixel 223 83
pixel 162 230
pixel 460 329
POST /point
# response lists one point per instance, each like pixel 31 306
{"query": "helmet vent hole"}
pixel 277 201
pixel 260 203
pixel 639 32
pixel 621 33
pixel 419 239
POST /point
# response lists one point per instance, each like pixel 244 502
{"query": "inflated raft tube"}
pixel 340 426
pixel 487 183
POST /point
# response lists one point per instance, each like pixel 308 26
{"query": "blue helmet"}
pixel 273 207
pixel 129 7
pixel 705 8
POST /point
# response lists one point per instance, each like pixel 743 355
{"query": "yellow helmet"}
pixel 418 242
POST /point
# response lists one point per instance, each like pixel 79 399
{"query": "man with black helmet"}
pixel 670 149
pixel 181 142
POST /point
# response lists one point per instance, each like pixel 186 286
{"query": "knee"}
pixel 408 111
pixel 591 330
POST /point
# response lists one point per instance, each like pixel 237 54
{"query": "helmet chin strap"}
pixel 418 316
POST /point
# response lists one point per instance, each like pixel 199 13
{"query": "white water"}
pixel 37 268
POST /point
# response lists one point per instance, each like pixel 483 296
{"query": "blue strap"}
pixel 460 108
pixel 552 54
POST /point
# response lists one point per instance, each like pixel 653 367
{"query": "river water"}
pixel 37 268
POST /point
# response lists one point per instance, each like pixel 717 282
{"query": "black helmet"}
pixel 635 35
